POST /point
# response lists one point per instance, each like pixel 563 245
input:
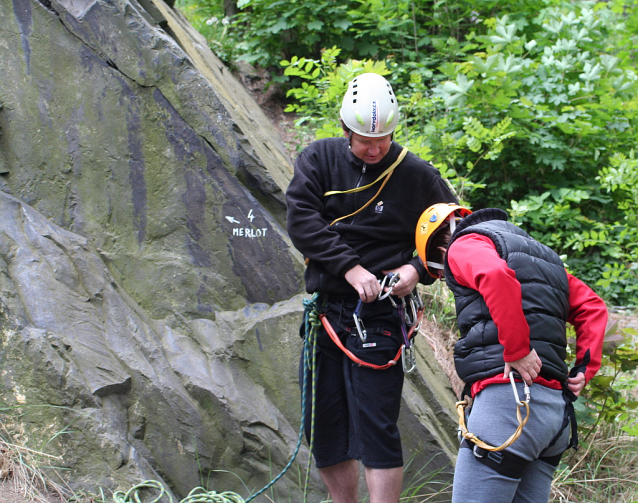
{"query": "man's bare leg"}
pixel 342 481
pixel 384 485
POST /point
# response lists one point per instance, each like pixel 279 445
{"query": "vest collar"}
pixel 480 216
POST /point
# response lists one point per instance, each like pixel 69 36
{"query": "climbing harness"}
pixel 412 320
pixel 507 463
pixel 478 443
pixel 201 495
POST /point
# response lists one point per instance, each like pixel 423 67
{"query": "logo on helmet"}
pixel 374 116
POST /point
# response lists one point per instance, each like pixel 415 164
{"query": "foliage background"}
pixel 528 105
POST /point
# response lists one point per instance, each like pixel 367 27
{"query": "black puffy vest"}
pixel 478 353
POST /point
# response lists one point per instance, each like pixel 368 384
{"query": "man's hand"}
pixel 576 384
pixel 408 278
pixel 364 282
pixel 528 367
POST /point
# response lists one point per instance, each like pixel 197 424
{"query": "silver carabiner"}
pixel 358 322
pixel 408 358
pixel 411 316
pixel 418 300
pixel 392 279
pixel 528 395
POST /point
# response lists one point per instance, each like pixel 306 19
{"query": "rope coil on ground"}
pixel 197 495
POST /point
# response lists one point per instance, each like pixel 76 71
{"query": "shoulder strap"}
pixel 387 173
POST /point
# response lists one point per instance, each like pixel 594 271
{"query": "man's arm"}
pixel 308 227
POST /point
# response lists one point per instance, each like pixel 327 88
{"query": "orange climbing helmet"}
pixel 431 221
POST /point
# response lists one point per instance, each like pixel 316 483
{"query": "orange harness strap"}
pixel 335 338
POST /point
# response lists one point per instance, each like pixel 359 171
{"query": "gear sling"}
pixel 413 321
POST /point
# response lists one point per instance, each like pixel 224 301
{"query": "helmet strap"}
pixel 434 265
pixel 452 224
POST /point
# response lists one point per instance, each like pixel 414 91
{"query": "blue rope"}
pixel 311 322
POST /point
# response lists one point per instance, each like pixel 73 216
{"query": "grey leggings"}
pixel 493 420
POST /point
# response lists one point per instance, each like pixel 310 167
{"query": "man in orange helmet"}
pixel 513 299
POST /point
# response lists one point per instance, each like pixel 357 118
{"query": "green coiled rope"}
pixel 201 495
pixel 197 495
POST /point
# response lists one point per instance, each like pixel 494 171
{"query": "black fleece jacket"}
pixel 379 238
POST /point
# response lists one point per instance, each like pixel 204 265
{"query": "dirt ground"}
pixel 9 493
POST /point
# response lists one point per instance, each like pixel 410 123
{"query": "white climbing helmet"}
pixel 369 107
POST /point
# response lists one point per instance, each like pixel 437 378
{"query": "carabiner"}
pixel 358 322
pixel 408 358
pixel 411 318
pixel 418 300
pixel 392 279
pixel 528 395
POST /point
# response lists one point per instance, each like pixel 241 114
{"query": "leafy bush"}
pixel 607 414
pixel 528 105
pixel 610 396
pixel 209 19
pixel 538 113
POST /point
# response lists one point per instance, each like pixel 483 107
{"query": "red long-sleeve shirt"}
pixel 476 264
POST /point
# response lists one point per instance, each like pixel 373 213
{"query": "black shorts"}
pixel 357 408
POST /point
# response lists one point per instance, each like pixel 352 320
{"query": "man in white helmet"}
pixel 353 205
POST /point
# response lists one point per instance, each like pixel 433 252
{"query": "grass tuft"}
pixel 604 470
pixel 25 468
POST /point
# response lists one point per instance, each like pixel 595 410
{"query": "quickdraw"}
pixel 460 407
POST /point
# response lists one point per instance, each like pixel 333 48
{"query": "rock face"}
pixel 149 296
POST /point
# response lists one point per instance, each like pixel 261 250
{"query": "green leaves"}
pixel 455 92
pixel 519 107
pixel 608 397
pixel 572 106
pixel 504 33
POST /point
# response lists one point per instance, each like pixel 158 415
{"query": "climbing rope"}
pixel 197 495
pixel 201 495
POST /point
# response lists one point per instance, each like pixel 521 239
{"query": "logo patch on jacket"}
pixel 379 207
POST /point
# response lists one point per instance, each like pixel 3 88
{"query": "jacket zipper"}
pixel 363 170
